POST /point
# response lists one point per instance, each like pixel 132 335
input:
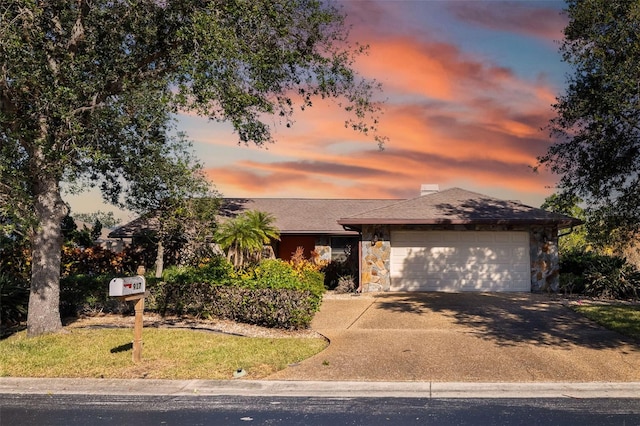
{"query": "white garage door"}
pixel 460 261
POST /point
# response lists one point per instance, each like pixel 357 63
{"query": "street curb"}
pixel 321 389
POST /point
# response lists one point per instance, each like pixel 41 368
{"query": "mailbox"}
pixel 126 286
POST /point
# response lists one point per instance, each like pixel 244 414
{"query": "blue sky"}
pixel 469 87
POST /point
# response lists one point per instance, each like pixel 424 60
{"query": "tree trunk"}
pixel 160 259
pixel 44 300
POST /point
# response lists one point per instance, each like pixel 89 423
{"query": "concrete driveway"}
pixel 463 337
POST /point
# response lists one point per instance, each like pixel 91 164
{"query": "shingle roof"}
pixel 304 215
pixel 293 215
pixel 457 206
pixel 148 222
pixel 332 216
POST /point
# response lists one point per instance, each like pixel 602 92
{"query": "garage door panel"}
pixel 460 261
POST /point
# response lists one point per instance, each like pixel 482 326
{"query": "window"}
pixel 343 247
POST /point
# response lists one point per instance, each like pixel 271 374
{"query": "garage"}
pixel 458 241
pixel 460 261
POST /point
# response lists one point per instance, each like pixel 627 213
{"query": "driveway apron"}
pixel 463 337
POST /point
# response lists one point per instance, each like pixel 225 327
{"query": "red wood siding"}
pixel 289 243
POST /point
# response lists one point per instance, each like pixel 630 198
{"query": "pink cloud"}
pixel 533 20
pixel 453 118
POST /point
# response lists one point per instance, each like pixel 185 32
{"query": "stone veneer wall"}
pixel 543 253
pixel 376 252
pixel 323 249
pixel 545 265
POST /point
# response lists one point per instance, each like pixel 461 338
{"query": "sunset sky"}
pixel 468 88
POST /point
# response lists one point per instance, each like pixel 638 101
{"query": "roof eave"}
pixel 560 223
pixel 317 232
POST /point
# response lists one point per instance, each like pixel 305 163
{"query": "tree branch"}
pixel 77 32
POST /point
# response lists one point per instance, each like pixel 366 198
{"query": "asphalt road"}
pixel 70 410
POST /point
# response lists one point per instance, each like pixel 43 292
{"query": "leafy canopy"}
pixel 89 90
pixel 597 127
pixel 577 239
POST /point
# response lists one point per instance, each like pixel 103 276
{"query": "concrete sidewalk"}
pixel 325 389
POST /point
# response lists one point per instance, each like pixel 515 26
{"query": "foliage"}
pixel 106 219
pixel 299 263
pixel 625 319
pixel 177 197
pixel 15 255
pixel 346 284
pixel 578 238
pixel 91 261
pixel 333 271
pixel 597 127
pixel 269 307
pixel 86 273
pixel 275 273
pixel 143 250
pixel 339 271
pixel 245 235
pixel 83 294
pixel 89 90
pixel 272 294
pixel 15 260
pixel 216 270
pixel 14 299
pixel 85 237
pixel 612 278
pixel 599 275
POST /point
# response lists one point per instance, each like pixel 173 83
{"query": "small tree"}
pixel 176 194
pixel 245 236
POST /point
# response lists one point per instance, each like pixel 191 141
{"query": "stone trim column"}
pixel 545 265
pixel 323 249
pixel 375 258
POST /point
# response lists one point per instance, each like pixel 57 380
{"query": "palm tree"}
pixel 244 236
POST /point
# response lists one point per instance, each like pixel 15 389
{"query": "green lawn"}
pixel 166 354
pixel 624 319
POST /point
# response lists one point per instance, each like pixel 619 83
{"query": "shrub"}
pixel 334 270
pixel 280 308
pixel 346 284
pixel 598 275
pixel 87 294
pixel 570 282
pixel 91 261
pixel 612 277
pixel 178 283
pixel 216 270
pixel 276 274
pixel 14 299
pixel 272 294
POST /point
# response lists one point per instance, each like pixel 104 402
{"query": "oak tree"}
pixel 88 87
pixel 596 151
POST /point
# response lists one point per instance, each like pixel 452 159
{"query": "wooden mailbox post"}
pixel 129 289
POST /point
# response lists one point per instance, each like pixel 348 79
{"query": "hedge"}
pixel 272 294
pixel 278 308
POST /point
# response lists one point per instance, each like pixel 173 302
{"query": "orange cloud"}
pixel 453 118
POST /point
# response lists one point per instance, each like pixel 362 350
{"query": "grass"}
pixel 166 354
pixel 625 319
